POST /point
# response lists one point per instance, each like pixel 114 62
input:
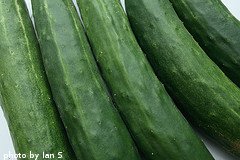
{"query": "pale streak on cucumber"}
pixel 59 57
pixel 71 91
pixel 26 39
pixel 84 50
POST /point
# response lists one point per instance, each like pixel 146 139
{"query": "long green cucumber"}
pixel 156 125
pixel 216 30
pixel 95 128
pixel 204 93
pixel 33 119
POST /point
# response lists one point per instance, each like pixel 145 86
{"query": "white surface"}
pixel 6 142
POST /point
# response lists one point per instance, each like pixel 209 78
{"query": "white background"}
pixel 6 142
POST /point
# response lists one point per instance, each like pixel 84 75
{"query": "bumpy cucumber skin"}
pixel 216 30
pixel 95 128
pixel 158 128
pixel 32 117
pixel 204 93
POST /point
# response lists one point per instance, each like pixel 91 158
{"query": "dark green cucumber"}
pixel 33 119
pixel 95 128
pixel 157 126
pixel 216 30
pixel 204 93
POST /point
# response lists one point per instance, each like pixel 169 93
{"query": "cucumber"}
pixel 95 128
pixel 216 30
pixel 206 96
pixel 33 119
pixel 156 125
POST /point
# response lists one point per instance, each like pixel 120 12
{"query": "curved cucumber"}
pixel 203 92
pixel 95 129
pixel 32 117
pixel 158 128
pixel 216 30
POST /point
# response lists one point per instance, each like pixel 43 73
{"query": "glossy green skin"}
pixel 216 30
pixel 32 117
pixel 158 128
pixel 95 128
pixel 204 93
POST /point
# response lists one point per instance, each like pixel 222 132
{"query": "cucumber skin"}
pixel 152 118
pixel 95 128
pixel 27 103
pixel 209 99
pixel 216 30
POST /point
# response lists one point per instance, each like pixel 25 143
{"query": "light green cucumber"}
pixel 95 128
